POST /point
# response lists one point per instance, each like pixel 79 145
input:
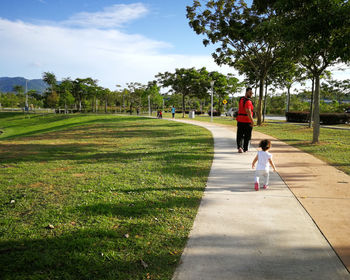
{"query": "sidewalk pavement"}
pixel 240 233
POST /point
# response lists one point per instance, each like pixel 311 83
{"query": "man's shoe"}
pixel 240 150
pixel 265 187
pixel 256 186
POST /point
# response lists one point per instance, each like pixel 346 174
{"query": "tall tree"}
pixel 316 33
pixel 245 36
pixel 50 79
pixel 65 93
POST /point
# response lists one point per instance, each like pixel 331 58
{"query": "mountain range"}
pixel 7 84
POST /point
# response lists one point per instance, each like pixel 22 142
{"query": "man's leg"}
pixel 247 136
pixel 239 136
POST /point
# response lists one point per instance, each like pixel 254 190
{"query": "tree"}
pixel 65 93
pixel 245 37
pixel 80 89
pixel 153 91
pixel 316 34
pixel 18 89
pixel 134 93
pixel 52 97
pixel 50 79
pixel 186 82
pixel 286 75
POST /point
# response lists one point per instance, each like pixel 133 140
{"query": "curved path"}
pixel 243 234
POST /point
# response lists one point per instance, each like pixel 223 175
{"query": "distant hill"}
pixel 7 84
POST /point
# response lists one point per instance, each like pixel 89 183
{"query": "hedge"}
pixel 325 118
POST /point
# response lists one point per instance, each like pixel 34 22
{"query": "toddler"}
pixel 264 159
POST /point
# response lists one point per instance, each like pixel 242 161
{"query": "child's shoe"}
pixel 256 186
pixel 265 187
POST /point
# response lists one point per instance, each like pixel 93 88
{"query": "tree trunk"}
pixel 288 98
pixel 312 103
pixel 256 88
pixel 183 105
pixel 316 132
pixel 264 110
pixel 261 96
pixel 106 105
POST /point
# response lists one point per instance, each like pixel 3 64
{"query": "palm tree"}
pixel 50 79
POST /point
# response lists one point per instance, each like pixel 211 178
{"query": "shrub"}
pixel 325 118
pixel 299 117
pixel 334 118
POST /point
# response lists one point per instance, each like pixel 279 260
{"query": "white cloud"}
pixel 110 17
pixel 111 56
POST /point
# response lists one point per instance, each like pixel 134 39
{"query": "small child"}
pixel 264 159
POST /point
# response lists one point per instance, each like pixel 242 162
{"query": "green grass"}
pixel 334 146
pixel 120 192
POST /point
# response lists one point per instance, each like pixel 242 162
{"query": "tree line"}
pixel 185 89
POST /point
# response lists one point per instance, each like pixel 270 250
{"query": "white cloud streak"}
pixel 110 17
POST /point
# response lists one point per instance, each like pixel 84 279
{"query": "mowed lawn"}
pixel 98 196
pixel 333 146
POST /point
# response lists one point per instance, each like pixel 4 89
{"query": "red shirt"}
pixel 242 113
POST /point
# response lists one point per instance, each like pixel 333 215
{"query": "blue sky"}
pixel 113 41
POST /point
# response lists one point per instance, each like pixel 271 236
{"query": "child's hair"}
pixel 265 144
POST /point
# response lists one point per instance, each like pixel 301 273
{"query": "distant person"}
pixel 159 114
pixel 173 111
pixel 245 121
pixel 264 159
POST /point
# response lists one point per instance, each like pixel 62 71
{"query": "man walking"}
pixel 245 121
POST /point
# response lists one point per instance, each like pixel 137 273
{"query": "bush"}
pixel 215 113
pixel 325 118
pixel 334 118
pixel 299 117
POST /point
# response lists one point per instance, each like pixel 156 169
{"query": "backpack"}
pixel 245 99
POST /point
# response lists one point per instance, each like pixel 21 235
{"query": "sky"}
pixel 113 41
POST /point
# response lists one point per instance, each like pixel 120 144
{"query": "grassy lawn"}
pixel 97 196
pixel 334 146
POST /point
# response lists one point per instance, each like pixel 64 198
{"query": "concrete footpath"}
pixel 240 233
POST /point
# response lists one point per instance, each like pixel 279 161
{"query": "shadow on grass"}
pixel 76 122
pixel 138 208
pixel 88 254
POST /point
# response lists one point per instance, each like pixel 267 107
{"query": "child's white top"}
pixel 263 160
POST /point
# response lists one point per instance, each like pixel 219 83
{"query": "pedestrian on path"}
pixel 173 111
pixel 264 159
pixel 245 121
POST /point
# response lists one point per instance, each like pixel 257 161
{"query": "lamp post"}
pixel 26 105
pixel 212 94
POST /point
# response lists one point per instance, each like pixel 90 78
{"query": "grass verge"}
pixel 98 197
pixel 334 146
